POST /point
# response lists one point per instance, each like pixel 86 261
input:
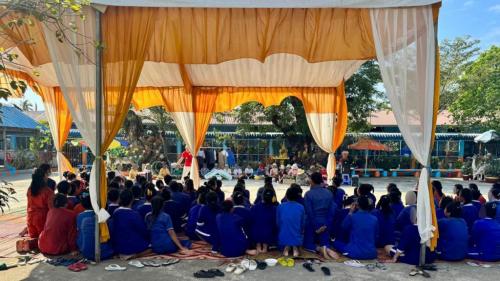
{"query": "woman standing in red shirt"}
pixel 40 198
pixel 59 234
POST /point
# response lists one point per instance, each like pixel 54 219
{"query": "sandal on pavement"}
pixel 170 262
pixel 282 261
pixel 354 263
pixel 308 265
pixel 380 266
pixel 261 265
pixel 203 274
pixel 216 272
pixel 136 263
pixel 115 267
pixel 74 267
pixel 239 270
pixel 326 271
pixel 290 262
pixel 230 267
pixel 370 267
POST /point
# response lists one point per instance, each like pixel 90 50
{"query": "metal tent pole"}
pixel 98 104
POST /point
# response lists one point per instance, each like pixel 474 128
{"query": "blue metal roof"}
pixel 12 117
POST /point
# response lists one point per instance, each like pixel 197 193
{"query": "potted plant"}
pixel 492 171
pixel 467 170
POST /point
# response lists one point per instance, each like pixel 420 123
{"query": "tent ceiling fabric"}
pixel 267 3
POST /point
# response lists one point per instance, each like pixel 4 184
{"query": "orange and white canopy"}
pixel 199 57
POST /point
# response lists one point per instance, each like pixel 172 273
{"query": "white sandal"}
pixel 230 267
pixel 136 263
pixel 354 263
pixel 252 265
pixel 239 270
pixel 115 267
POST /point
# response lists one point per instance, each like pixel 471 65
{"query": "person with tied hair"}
pixel 290 220
pixel 486 235
pixel 470 213
pixel 233 241
pixel 146 208
pixel 206 226
pixel 263 225
pixel 363 231
pixel 386 221
pixel 59 233
pixel 40 200
pixel 194 212
pixel 453 235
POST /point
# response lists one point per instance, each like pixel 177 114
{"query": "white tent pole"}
pixel 98 104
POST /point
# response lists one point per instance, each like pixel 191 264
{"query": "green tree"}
pixel 477 106
pixel 456 56
pixel 362 96
pixel 26 105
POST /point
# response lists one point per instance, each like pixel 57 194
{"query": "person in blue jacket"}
pixel 363 231
pixel 190 191
pixel 85 239
pixel 241 210
pixel 206 226
pixel 366 189
pixel 181 198
pixel 408 248
pixel 495 197
pixel 337 191
pixel 445 200
pixel 320 212
pixel 162 234
pixel 263 224
pixel 193 214
pixel 453 234
pixel 145 208
pixel 138 197
pixel 486 235
pixel 386 222
pixel 173 209
pixel 290 219
pixel 396 203
pixel 336 230
pixel 113 197
pixel 470 213
pixel 233 241
pixel 300 200
pixel 404 218
pixel 130 235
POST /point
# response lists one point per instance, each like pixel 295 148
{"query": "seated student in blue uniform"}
pixel 407 249
pixel 173 209
pixel 396 203
pixel 337 191
pixel 469 212
pixel 193 214
pixel 242 183
pixel 453 234
pixel 404 218
pixel 233 240
pixel 291 219
pixel 445 200
pixel 386 222
pixel 206 226
pixel 363 231
pixel 240 188
pixel 495 197
pixel 113 198
pixel 145 208
pixel 218 189
pixel 130 235
pixel 437 190
pixel 182 199
pixel 138 197
pixel 85 227
pixel 241 210
pixel 268 183
pixel 336 230
pixel 162 234
pixel 320 212
pixel 486 235
pixel 367 190
pixel 190 191
pixel 263 216
pixel 301 198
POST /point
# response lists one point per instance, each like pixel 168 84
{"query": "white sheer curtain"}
pixel 405 46
pixel 322 128
pixel 76 73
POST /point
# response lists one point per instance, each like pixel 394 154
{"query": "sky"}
pixel 478 18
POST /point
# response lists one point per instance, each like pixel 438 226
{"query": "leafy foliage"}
pixel 362 96
pixel 6 194
pixel 477 105
pixel 455 57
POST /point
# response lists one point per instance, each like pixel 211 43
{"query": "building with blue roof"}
pixel 16 128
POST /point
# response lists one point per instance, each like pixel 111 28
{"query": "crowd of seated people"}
pixel 148 216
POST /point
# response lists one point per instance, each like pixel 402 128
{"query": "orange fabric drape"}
pixel 126 41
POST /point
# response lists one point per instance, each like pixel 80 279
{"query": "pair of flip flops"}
pixel 418 271
pixel 372 266
pixel 115 267
pixel 77 267
pixel 309 266
pixel 211 273
pixel 237 269
pixel 286 262
pixel 354 263
pixel 61 262
pixel 474 264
